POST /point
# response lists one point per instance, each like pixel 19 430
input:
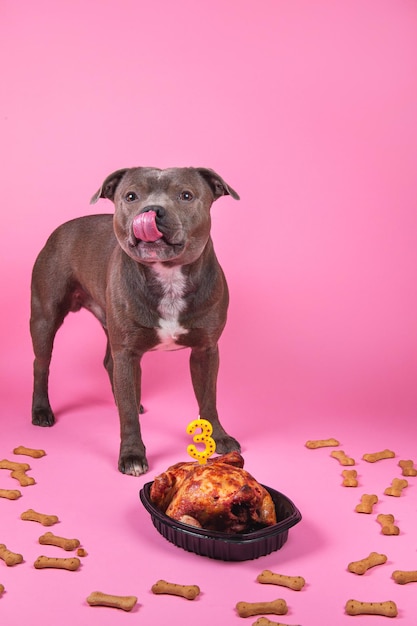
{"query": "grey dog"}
pixel 150 275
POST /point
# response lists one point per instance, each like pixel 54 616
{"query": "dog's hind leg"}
pixel 50 302
pixel 43 332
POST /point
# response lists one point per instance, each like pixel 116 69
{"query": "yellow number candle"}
pixel 203 437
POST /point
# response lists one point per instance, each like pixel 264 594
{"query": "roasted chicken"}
pixel 219 495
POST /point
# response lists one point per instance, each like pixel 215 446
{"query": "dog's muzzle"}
pixel 144 225
pixel 156 235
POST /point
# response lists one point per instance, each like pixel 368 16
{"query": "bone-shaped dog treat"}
pixel 10 494
pixel 321 443
pixel 35 454
pixel 292 582
pixel 387 524
pixel 32 516
pixel 367 503
pixel 264 621
pixel 387 609
pixel 184 591
pixel 342 457
pixel 378 456
pixel 360 567
pixel 23 479
pixel 402 577
pixel 350 478
pixel 397 485
pixel 49 539
pixel 276 607
pixel 14 465
pixel 408 468
pixel 18 471
pixel 98 598
pixel 10 558
pixel 70 564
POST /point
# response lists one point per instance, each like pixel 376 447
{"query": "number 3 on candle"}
pixel 203 437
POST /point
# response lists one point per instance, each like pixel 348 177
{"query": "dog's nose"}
pixel 159 210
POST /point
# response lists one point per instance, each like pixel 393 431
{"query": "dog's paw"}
pixel 43 417
pixel 133 465
pixel 226 444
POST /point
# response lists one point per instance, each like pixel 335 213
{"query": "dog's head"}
pixel 163 215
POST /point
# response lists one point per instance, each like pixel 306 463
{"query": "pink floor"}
pixel 77 481
pixel 307 109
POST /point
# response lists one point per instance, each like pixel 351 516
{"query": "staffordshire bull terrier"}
pixel 150 275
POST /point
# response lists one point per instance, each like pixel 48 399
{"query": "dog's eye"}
pixel 186 196
pixel 131 196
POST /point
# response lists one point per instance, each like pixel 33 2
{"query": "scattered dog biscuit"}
pixel 342 457
pixel 23 479
pixel 276 607
pixel 292 582
pixel 396 488
pixel 184 591
pixel 1 590
pixel 402 578
pixel 10 558
pixel 70 564
pixel 49 539
pixel 264 621
pixel 378 456
pixel 10 494
pixel 126 603
pixel 408 468
pixel 322 443
pixel 350 478
pixel 35 454
pixel 367 503
pixel 82 552
pixel 14 465
pixel 32 516
pixel 387 609
pixel 387 524
pixel 362 566
pixel 18 471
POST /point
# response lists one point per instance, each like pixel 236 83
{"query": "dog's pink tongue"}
pixel 145 228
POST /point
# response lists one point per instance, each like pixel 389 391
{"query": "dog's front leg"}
pixel 127 384
pixel 204 367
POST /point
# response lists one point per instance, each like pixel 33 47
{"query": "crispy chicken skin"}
pixel 219 495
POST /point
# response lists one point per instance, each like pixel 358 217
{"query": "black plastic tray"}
pixel 218 545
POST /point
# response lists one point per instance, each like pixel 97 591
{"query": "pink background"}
pixel 308 109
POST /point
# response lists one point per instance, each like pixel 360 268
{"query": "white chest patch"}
pixel 171 305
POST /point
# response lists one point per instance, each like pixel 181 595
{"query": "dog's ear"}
pixel 108 188
pixel 218 186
